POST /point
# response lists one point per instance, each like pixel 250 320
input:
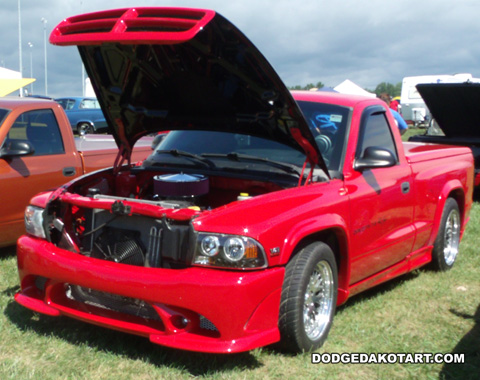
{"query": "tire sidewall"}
pixel 303 264
pixel 438 253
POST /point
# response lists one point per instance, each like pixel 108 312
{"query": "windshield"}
pixel 208 142
pixel 328 124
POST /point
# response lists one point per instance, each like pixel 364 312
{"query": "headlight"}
pixel 34 221
pixel 229 251
pixel 210 246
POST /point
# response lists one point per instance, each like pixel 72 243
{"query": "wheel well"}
pixel 86 122
pixel 459 197
pixel 336 240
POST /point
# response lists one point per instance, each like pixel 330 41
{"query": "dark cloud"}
pixel 309 41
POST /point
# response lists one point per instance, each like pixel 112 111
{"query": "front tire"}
pixel 445 249
pixel 309 298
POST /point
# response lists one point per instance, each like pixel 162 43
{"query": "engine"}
pixel 139 240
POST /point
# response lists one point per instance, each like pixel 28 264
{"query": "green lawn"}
pixel 424 311
pixel 412 131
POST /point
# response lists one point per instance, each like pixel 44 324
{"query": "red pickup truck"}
pixel 257 215
pixel 38 152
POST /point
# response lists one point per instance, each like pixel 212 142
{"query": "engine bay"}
pixel 142 218
pixel 173 190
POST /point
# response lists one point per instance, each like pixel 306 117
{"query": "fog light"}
pixel 180 322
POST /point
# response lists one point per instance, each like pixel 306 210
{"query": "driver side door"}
pixel 381 200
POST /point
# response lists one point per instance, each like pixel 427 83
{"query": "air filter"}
pixel 180 185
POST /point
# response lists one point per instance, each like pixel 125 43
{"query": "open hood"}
pixel 454 106
pixel 160 69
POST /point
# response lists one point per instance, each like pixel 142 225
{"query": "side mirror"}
pixel 375 157
pixel 16 148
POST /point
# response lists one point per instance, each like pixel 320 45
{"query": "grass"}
pixel 423 311
pixel 412 131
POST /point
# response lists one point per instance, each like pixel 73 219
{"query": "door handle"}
pixel 405 187
pixel 69 171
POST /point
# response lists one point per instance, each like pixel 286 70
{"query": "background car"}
pixel 84 114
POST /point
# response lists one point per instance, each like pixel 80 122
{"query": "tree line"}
pixel 389 88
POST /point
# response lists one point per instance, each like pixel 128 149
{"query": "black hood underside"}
pixel 217 80
pixel 455 107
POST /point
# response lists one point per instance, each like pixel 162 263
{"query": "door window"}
pixel 41 129
pixel 376 132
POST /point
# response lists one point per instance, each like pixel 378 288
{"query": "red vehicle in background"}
pixel 259 212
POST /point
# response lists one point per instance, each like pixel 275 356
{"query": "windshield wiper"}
pixel 289 168
pixel 181 153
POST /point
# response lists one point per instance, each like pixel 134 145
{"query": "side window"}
pixel 376 132
pixel 89 104
pixel 40 128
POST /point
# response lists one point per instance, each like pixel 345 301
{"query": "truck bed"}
pixel 420 152
pixel 97 150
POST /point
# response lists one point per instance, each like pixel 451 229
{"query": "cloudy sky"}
pixel 308 41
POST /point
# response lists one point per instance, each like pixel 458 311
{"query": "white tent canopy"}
pixel 348 87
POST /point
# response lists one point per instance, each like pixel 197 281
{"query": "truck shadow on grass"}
pixel 469 345
pixel 138 348
pixel 125 345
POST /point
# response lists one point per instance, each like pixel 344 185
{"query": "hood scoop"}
pixel 162 69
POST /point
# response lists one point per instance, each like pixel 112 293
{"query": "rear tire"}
pixel 309 298
pixel 445 248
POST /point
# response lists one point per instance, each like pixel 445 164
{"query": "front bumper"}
pixel 196 309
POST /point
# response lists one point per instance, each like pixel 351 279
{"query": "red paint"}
pixel 378 232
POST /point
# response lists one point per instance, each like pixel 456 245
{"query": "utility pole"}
pixel 44 21
pixel 20 45
pixel 30 45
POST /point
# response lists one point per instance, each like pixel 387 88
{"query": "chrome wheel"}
pixel 446 247
pixel 317 308
pixel 451 237
pixel 84 129
pixel 309 298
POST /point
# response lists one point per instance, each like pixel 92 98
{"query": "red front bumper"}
pixel 241 308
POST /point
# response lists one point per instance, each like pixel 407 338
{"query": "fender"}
pixel 318 224
pixel 41 200
pixel 447 189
